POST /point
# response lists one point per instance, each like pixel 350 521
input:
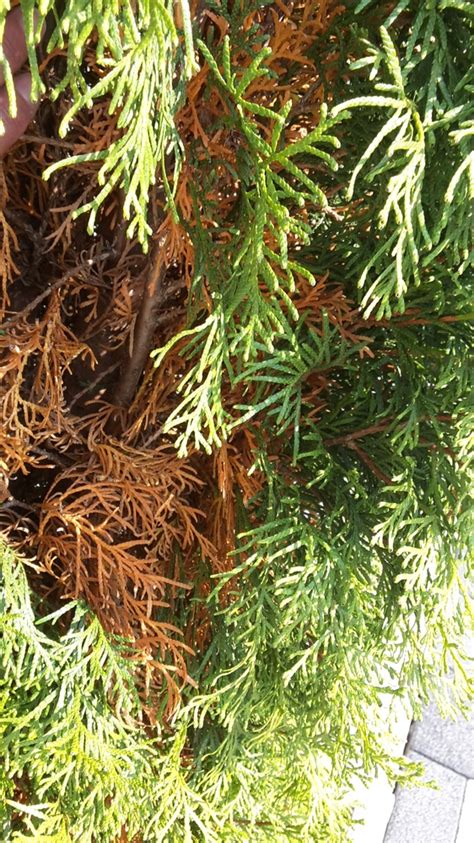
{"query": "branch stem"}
pixel 153 297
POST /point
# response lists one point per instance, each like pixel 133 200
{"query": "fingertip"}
pixel 14 43
pixel 26 110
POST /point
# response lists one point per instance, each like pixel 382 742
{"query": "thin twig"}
pixel 94 383
pixel 50 141
pixel 347 438
pixel 153 298
pixel 55 286
pixel 13 503
pixel 49 455
pixel 151 438
pixel 374 468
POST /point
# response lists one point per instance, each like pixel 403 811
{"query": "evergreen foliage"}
pixel 269 540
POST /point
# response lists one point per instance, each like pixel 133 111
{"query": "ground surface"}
pixel 445 815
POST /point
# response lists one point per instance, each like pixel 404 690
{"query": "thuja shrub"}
pixel 236 453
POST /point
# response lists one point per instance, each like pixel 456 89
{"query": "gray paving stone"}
pixel 466 824
pixel 424 815
pixel 449 742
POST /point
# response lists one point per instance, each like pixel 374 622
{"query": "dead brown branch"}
pixel 153 297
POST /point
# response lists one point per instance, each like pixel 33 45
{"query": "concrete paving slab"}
pixel 424 815
pixel 449 742
pixel 466 824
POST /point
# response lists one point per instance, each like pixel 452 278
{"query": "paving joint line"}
pixel 440 763
pixel 460 811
